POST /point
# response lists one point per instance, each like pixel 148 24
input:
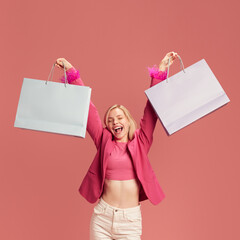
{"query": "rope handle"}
pixel 169 66
pixel 51 74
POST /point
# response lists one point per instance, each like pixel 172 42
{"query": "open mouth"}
pixel 118 129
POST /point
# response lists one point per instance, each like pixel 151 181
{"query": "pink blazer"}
pixel 91 187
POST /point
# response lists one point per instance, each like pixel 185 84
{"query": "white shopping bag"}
pixel 186 96
pixel 53 107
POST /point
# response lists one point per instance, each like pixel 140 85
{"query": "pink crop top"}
pixel 119 164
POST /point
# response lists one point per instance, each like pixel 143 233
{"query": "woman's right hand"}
pixel 60 61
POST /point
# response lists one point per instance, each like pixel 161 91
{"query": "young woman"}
pixel 120 175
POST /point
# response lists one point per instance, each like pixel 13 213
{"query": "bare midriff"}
pixel 121 193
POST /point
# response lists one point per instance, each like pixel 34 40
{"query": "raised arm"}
pixel 94 125
pixel 149 119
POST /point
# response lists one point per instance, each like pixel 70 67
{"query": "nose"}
pixel 115 121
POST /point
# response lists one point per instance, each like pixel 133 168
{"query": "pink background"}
pixel 112 43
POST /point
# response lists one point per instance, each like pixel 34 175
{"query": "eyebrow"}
pixel 119 115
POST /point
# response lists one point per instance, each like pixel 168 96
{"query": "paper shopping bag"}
pixel 186 96
pixel 53 107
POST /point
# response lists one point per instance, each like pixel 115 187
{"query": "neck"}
pixel 124 139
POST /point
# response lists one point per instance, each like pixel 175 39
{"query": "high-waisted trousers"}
pixel 108 222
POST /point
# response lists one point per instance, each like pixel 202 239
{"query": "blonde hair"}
pixel 132 122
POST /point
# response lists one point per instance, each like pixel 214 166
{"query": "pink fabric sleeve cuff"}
pixel 72 75
pixel 155 73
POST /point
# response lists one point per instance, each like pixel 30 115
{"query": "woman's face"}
pixel 118 124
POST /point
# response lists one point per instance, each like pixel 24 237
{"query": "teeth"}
pixel 117 128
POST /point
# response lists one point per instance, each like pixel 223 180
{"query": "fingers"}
pixel 62 62
pixel 59 62
pixel 58 65
pixel 172 55
pixel 167 60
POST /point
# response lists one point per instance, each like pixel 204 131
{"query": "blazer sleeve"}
pixel 149 119
pixel 94 124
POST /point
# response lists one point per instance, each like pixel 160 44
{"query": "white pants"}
pixel 110 222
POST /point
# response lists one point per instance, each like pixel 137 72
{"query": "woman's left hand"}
pixel 164 63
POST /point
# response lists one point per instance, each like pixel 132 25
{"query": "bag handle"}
pixel 169 66
pixel 51 74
